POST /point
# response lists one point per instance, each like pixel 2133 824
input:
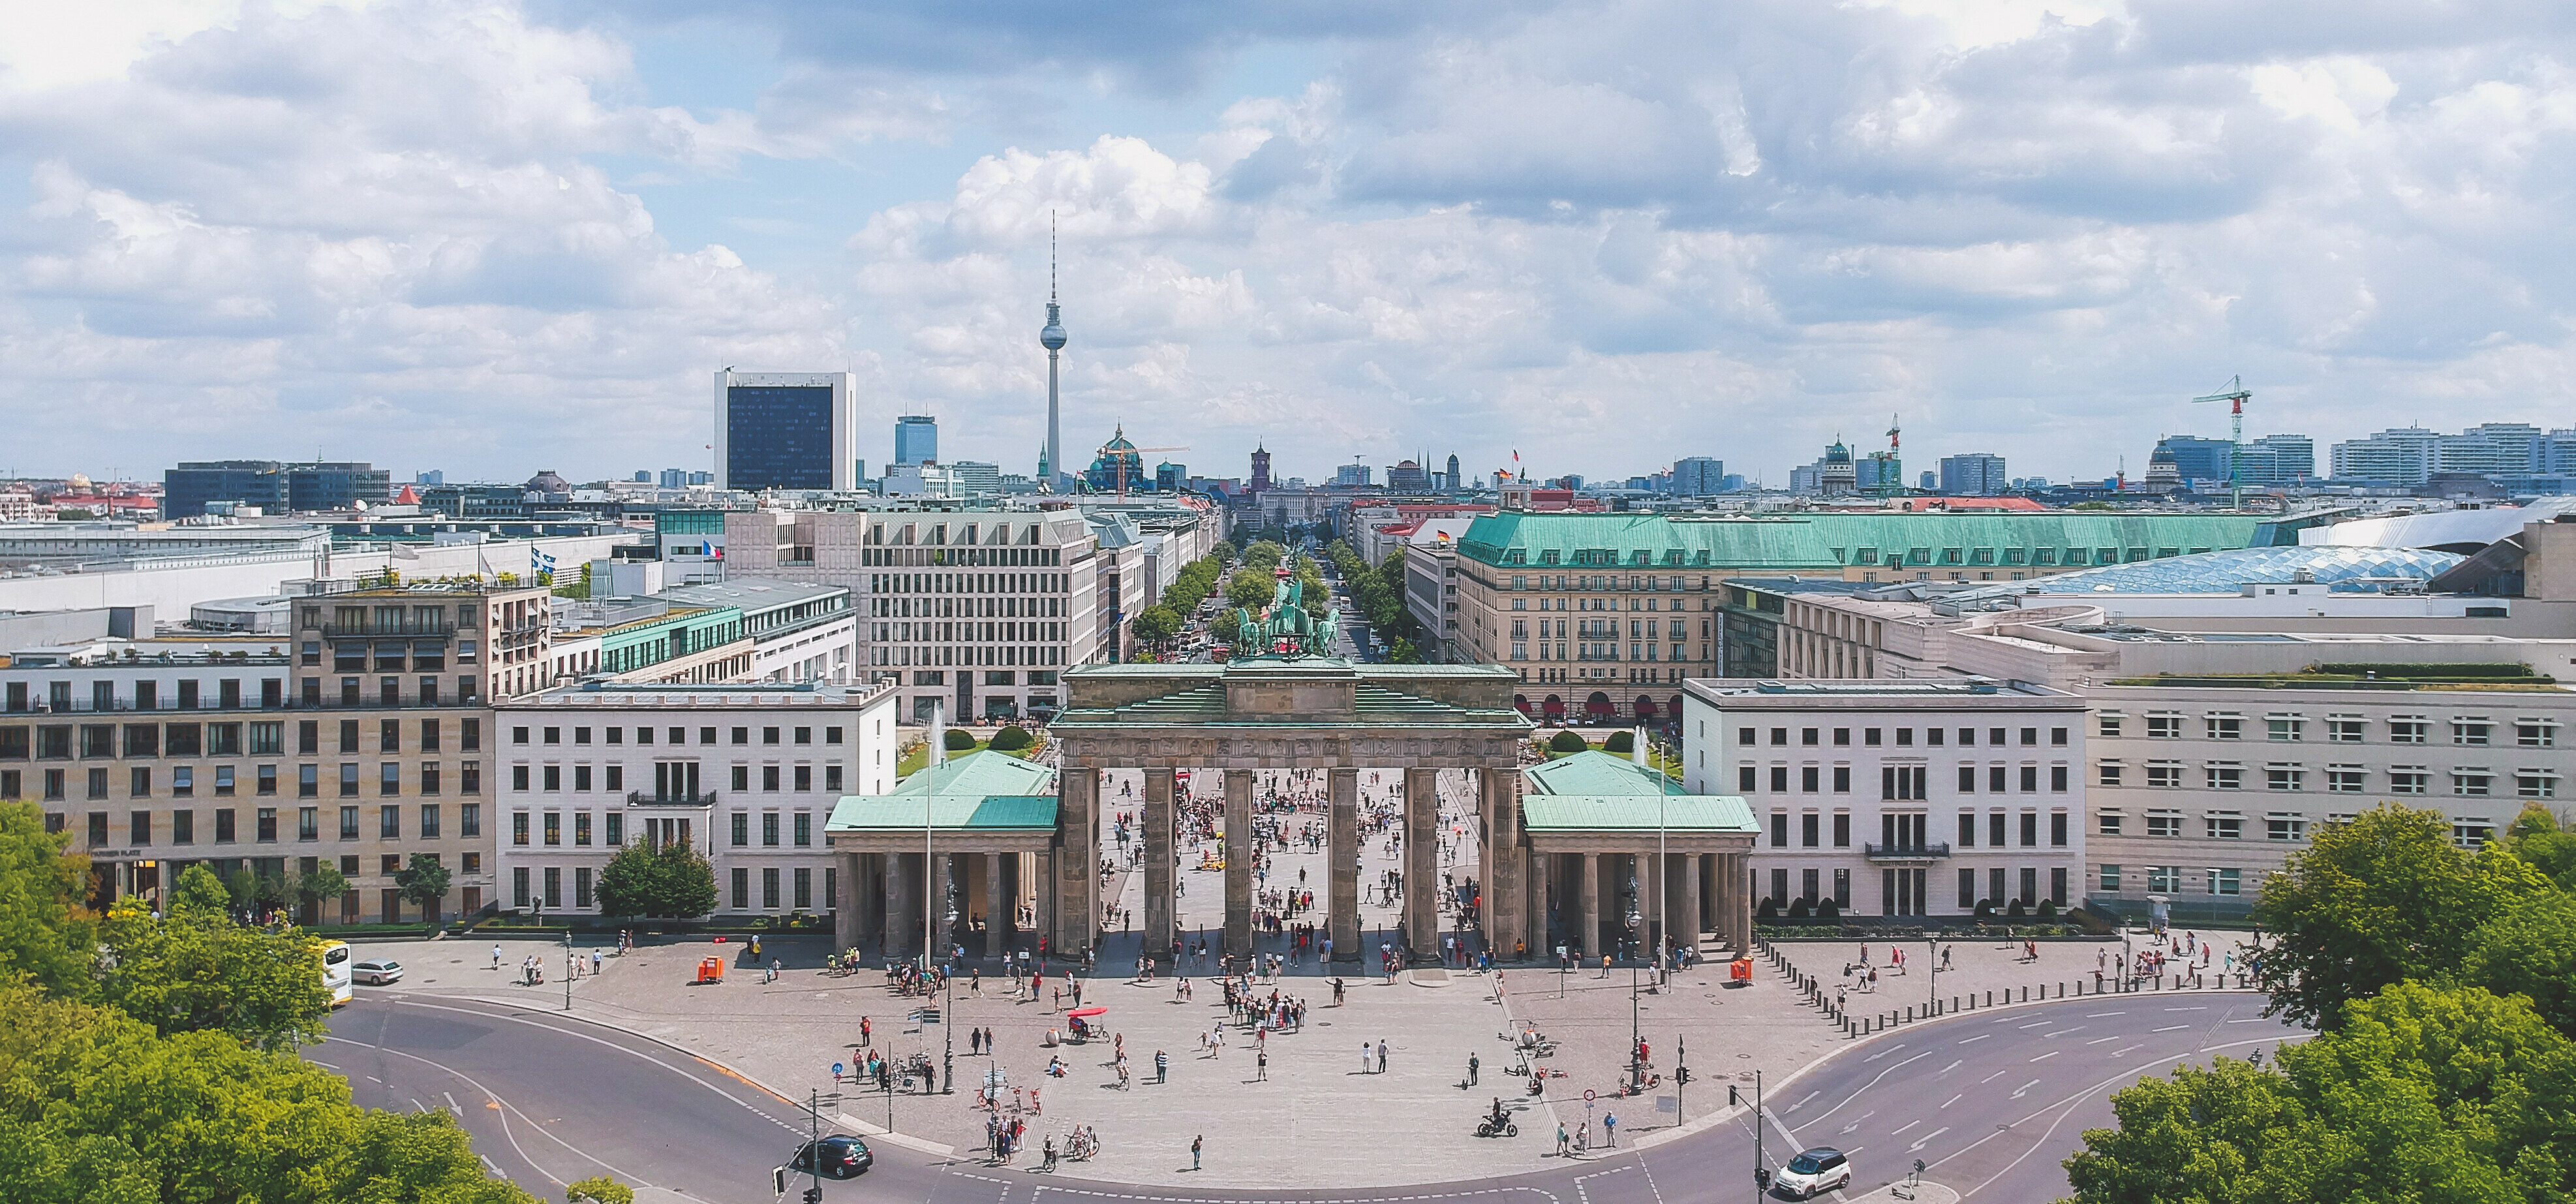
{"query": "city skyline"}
pixel 1263 231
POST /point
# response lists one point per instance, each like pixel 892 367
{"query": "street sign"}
pixel 836 1072
pixel 1587 1097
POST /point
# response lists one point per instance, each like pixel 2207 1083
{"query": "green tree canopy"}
pixel 2422 1094
pixel 958 739
pixel 2536 838
pixel 423 880
pixel 1263 556
pixel 1012 739
pixel 1621 742
pixel 673 881
pixel 44 933
pixel 599 1189
pixel 1250 589
pixel 199 890
pixel 1566 742
pixel 323 883
pixel 197 971
pixel 1157 623
pixel 2529 949
pixel 2382 899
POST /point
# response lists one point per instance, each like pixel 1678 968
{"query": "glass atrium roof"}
pixel 2339 568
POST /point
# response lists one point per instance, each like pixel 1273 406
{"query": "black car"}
pixel 843 1157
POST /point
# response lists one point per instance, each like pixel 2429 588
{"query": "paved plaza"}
pixel 1318 1105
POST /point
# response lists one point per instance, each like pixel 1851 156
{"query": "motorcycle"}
pixel 1487 1127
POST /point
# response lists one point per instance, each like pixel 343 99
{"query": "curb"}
pixel 919 1144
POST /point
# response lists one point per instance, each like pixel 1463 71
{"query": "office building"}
pixel 1898 799
pixel 1699 476
pixel 271 486
pixel 1974 474
pixel 916 439
pixel 675 478
pixel 1351 476
pixel 785 431
pixel 429 477
pixel 975 478
pixel 744 774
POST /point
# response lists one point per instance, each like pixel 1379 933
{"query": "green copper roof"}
pixel 1594 772
pixel 981 791
pixel 1594 791
pixel 1823 542
pixel 1572 813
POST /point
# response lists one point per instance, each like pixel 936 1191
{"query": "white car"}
pixel 1813 1172
pixel 376 973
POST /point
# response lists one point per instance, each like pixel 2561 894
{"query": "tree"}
pixel 2536 838
pixel 670 881
pixel 1157 624
pixel 599 1189
pixel 324 883
pixel 2529 950
pixel 2423 1094
pixel 101 1108
pixel 1250 589
pixel 199 890
pixel 197 971
pixel 1622 743
pixel 2384 898
pixel 1012 739
pixel 1566 742
pixel 957 740
pixel 43 934
pixel 423 881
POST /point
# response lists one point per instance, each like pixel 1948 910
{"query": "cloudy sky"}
pixel 496 237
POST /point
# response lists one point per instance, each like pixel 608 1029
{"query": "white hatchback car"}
pixel 1813 1172
pixel 376 973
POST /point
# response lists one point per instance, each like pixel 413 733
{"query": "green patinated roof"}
pixel 981 791
pixel 1592 791
pixel 1833 541
pixel 1206 705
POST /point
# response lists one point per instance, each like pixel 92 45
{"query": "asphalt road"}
pixel 1991 1102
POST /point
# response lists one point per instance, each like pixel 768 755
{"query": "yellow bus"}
pixel 335 971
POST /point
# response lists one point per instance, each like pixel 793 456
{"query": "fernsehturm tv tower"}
pixel 1053 338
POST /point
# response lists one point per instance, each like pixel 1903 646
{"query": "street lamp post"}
pixel 1636 1069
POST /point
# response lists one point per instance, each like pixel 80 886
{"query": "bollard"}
pixel 2025 994
pixel 1990 999
pixel 1909 1015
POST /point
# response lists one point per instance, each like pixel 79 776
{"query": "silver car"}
pixel 376 973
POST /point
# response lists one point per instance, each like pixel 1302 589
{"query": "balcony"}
pixel 637 798
pixel 1899 853
pixel 406 626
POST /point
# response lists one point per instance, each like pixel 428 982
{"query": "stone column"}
pixel 1508 906
pixel 1342 853
pixel 847 923
pixel 1690 900
pixel 1044 865
pixel 1155 829
pixel 1422 861
pixel 1539 872
pixel 1238 861
pixel 943 881
pixel 1591 934
pixel 1650 892
pixel 1077 858
pixel 893 925
pixel 1739 911
pixel 997 906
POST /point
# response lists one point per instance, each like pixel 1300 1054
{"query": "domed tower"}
pixel 2164 473
pixel 1052 338
pixel 1838 477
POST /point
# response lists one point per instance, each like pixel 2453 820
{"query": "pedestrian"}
pixel 1195 1145
pixel 594 961
pixel 1261 1067
pixel 974 984
pixel 496 957
pixel 1609 1130
pixel 1564 1143
pixel 1364 1057
pixel 1381 1055
pixel 867 1032
pixel 1471 1070
pixel 1162 1066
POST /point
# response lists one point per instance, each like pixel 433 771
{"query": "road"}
pixel 1992 1102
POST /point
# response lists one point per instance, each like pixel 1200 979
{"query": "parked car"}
pixel 1813 1172
pixel 376 973
pixel 842 1157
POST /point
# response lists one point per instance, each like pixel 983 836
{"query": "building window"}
pixel 2285 777
pixel 2226 775
pixel 2472 783
pixel 1745 776
pixel 349 824
pixel 2225 727
pixel 2344 729
pixel 2472 731
pixel 2110 878
pixel 804 829
pixel 2471 833
pixel 741 889
pixel 2109 773
pixel 2535 783
pixel 2409 729
pixel 2226 827
pixel 469 820
pixel 2409 779
pixel 2161 879
pixel 2346 779
pixel 2285 827
pixel 2164 726
pixel 741 832
pixel 2164 823
pixel 2057 829
pixel 2286 727
pixel 1779 829
pixel 554 828
pixel 2225 881
pixel 769 829
pixel 2110 822
pixel 2535 733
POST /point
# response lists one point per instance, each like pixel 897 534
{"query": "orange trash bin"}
pixel 1741 970
pixel 711 970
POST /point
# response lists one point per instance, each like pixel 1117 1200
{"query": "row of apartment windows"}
pixel 1904 890
pixel 224 781
pixel 2466 781
pixel 1604 652
pixel 92 741
pixel 2467 731
pixel 2466 831
pixel 225 826
pixel 1910 831
pixel 1870 737
pixel 529 884
pixel 145 696
pixel 2175 879
pixel 773 778
pixel 1903 782
pixel 673 735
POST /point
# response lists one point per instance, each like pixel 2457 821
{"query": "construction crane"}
pixel 2236 396
pixel 1891 476
pixel 1122 453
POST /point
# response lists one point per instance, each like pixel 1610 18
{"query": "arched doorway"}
pixel 1554 708
pixel 1599 706
pixel 1520 702
pixel 1645 707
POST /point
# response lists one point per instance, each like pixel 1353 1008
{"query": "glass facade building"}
pixel 785 431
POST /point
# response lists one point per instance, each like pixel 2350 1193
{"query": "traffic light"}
pixel 1730 1095
pixel 778 1182
pixel 1681 1074
pixel 1761 1176
pixel 813 1195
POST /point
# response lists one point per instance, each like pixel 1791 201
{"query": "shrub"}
pixel 1622 743
pixel 1828 909
pixel 1567 742
pixel 1798 909
pixel 2016 911
pixel 1012 739
pixel 1769 910
pixel 2047 907
pixel 959 739
pixel 1985 909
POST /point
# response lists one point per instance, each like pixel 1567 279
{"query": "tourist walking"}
pixel 1196 1143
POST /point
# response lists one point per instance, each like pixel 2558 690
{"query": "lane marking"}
pixel 2170 1028
pixel 1903 1127
pixel 2024 1089
pixel 1992 1077
pixel 2046 1056
pixel 1864 1087
pixel 2188 1009
pixel 1978 1037
pixel 1954 1065
pixel 2099 1015
pixel 1953 1099
pixel 2119 1052
pixel 1926 1139
pixel 2063 1031
pixel 2253 1020
pixel 1803 1102
pixel 2101 1040
pixel 2041 1024
pixel 1884 1052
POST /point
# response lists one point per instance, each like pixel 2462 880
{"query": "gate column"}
pixel 1342 840
pixel 1157 835
pixel 1238 861
pixel 1422 860
pixel 1077 858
